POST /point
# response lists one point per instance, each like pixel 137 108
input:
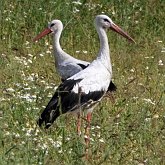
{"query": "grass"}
pixel 129 131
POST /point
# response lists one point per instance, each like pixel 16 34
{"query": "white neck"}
pixel 59 54
pixel 104 52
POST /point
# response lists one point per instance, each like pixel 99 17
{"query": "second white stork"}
pixel 66 65
pixel 85 89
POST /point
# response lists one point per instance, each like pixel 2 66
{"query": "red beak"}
pixel 42 34
pixel 117 29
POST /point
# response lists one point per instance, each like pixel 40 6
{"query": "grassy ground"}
pixel 129 131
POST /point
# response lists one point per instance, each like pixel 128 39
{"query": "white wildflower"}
pixel 44 146
pixel 46 43
pixel 41 55
pixel 70 151
pixel 98 135
pixel 48 51
pixel 42 81
pixel 92 127
pixel 93 135
pixel 147 57
pixel 27 88
pixel 156 116
pixel 98 127
pixel 25 63
pixel 77 51
pixel 2 99
pixel 29 132
pixel 27 43
pixel 48 87
pixel 10 90
pixel 149 101
pixel 85 52
pixel 7 133
pixel 35 139
pixel 135 97
pixel 30 61
pixel 36 133
pixel 51 47
pixel 132 70
pixel 160 63
pixel 57 144
pixel 17 135
pixel 28 97
pixel 77 2
pixel 8 19
pixel 18 58
pixel 68 138
pixel 75 10
pixel 30 78
pixel 113 13
pixel 30 55
pixel 118 116
pixel 101 140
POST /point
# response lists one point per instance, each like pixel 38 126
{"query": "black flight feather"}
pixel 112 87
pixel 83 66
pixel 65 100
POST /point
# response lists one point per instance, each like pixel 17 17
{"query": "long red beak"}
pixel 42 34
pixel 117 29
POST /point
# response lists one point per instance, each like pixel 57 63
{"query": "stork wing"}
pixel 69 69
pixel 66 100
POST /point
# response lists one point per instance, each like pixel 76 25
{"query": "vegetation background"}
pixel 129 131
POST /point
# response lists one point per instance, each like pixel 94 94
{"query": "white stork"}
pixel 66 65
pixel 85 89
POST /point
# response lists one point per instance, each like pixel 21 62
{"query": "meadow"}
pixel 128 131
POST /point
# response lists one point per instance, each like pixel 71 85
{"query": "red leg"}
pixel 87 132
pixel 79 123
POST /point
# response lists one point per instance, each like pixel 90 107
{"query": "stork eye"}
pixel 106 20
pixel 52 24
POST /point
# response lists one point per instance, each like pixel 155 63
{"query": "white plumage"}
pixel 93 78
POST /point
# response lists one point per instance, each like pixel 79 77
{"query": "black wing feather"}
pixel 83 66
pixel 64 100
pixel 112 87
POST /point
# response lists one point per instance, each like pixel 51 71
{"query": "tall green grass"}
pixel 129 131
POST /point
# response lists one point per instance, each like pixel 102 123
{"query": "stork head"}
pixel 103 21
pixel 54 26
